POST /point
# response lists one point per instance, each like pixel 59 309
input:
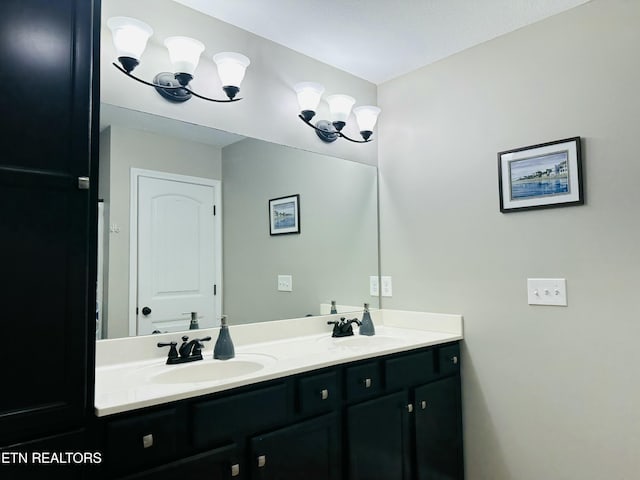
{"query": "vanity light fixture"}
pixel 130 38
pixel 309 95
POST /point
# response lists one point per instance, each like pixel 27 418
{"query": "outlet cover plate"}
pixel 386 286
pixel 374 286
pixel 547 291
pixel 285 283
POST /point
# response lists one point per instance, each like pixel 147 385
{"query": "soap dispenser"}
pixel 333 307
pixel 193 325
pixel 367 327
pixel 223 349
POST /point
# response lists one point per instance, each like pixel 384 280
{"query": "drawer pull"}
pixel 410 408
pixel 262 460
pixel 235 470
pixel 147 441
pixel 367 383
pixel 423 404
pixel 454 359
pixel 324 394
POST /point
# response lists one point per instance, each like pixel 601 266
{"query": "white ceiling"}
pixel 378 40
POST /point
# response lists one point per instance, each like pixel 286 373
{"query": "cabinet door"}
pixel 47 231
pixel 378 439
pixel 308 450
pixel 438 427
pixel 219 464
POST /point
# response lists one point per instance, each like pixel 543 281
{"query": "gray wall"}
pixel 549 392
pixel 335 252
pixel 120 150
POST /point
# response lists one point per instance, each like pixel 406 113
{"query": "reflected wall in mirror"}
pixel 331 258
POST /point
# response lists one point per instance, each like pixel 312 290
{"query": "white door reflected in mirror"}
pixel 176 264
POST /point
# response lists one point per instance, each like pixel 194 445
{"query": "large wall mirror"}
pixel 164 254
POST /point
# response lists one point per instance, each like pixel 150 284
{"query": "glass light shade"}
pixel 309 94
pixel 231 68
pixel 340 107
pixel 184 53
pixel 366 116
pixel 129 36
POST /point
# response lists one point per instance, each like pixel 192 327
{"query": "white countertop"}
pixel 131 372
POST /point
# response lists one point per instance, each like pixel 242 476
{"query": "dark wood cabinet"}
pixel 306 450
pixel 395 417
pixel 378 439
pixel 48 140
pixel 438 430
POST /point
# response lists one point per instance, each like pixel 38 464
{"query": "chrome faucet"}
pixel 188 352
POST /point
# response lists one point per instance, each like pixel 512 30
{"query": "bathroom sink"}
pixel 206 371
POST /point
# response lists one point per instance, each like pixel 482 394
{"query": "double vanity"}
pixel 295 402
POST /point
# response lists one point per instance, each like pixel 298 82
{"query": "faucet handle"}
pixel 173 353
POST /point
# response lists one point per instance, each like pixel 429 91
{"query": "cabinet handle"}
pixel 410 408
pixel 83 183
pixel 324 394
pixel 454 359
pixel 367 383
pixel 262 460
pixel 423 404
pixel 235 470
pixel 147 440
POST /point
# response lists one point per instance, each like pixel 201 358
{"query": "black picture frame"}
pixel 284 215
pixel 545 175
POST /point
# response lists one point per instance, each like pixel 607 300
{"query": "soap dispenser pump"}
pixel 367 327
pixel 223 349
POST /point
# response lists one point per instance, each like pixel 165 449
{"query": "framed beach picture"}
pixel 541 176
pixel 284 215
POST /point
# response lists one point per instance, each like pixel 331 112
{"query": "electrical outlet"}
pixel 374 286
pixel 386 286
pixel 285 283
pixel 547 291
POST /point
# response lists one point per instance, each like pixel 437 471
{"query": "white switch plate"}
pixel 386 287
pixel 285 283
pixel 547 291
pixel 374 286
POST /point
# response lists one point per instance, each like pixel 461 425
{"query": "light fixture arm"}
pixel 331 135
pixel 174 88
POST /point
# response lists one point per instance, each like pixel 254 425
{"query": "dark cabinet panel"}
pixel 47 224
pixel 409 370
pixel 318 393
pixel 363 381
pixel 219 464
pixel 438 427
pixel 143 440
pixel 222 420
pixel 307 450
pixel 378 439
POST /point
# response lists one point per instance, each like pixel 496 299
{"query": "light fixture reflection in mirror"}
pixel 331 259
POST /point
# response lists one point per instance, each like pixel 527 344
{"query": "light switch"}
pixel 285 283
pixel 547 291
pixel 386 286
pixel 374 286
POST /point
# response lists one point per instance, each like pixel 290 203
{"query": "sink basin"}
pixel 206 371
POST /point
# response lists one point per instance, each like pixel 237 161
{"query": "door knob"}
pixel 146 311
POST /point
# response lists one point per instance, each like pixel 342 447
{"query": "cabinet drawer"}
pixel 142 440
pixel 318 393
pixel 409 370
pixel 449 359
pixel 363 381
pixel 220 421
